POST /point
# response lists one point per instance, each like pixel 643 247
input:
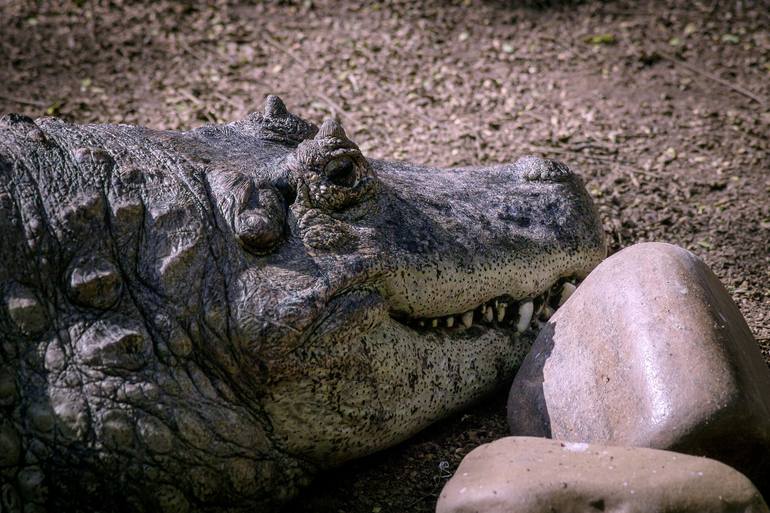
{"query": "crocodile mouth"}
pixel 519 315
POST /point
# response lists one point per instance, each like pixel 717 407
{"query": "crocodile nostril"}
pixel 257 231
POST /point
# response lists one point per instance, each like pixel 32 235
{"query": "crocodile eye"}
pixel 341 171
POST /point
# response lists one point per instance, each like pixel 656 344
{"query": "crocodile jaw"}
pixel 397 382
pixel 375 380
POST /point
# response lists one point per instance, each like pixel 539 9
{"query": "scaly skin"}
pixel 199 321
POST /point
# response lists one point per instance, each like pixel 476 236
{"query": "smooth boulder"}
pixel 650 351
pixel 537 475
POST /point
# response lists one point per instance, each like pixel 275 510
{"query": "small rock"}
pixel 536 475
pixel 668 156
pixel 649 351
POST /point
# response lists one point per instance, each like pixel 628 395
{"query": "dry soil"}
pixel 664 107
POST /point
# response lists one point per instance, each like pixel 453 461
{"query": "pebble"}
pixel 537 475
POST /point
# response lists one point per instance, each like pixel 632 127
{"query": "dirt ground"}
pixel 664 107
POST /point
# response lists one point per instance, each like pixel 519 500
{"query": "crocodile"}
pixel 202 320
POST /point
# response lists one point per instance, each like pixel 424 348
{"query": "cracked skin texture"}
pixel 201 320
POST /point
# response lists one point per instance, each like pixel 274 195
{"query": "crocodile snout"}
pixel 458 238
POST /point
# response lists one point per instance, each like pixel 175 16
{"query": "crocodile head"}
pixel 247 303
pixel 421 292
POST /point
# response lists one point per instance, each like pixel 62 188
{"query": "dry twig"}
pixel 706 74
pixel 23 101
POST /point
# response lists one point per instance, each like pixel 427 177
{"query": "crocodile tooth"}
pixel 566 292
pixel 542 303
pixel 434 323
pixel 488 313
pixel 422 324
pixel 525 316
pixel 450 321
pixel 501 312
pixel 467 319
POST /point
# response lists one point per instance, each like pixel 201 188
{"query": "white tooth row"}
pixel 496 312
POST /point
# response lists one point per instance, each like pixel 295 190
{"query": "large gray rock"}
pixel 650 351
pixel 534 475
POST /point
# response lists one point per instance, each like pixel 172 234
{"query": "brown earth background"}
pixel 663 107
